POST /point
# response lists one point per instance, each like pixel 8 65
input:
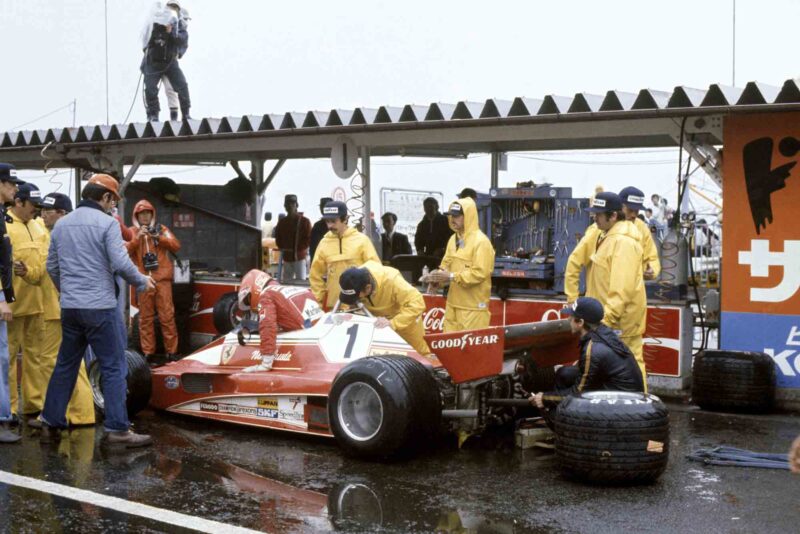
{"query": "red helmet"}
pixel 251 287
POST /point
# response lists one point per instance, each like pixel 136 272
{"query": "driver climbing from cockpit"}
pixel 278 307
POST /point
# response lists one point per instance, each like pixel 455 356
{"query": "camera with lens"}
pixel 153 230
pixel 150 261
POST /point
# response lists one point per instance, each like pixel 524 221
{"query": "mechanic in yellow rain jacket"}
pixel 28 238
pixel 342 247
pixel 80 410
pixel 632 204
pixel 615 277
pixel 467 266
pixel 386 294
pixel 580 258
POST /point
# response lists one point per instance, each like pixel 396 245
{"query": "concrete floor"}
pixel 284 483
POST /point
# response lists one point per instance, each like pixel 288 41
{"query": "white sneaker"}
pixel 265 365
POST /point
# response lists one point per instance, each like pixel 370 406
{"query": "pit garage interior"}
pixel 694 119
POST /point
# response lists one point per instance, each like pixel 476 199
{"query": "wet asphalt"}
pixel 277 482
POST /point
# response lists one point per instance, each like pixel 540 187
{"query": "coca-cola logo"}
pixel 466 340
pixel 433 320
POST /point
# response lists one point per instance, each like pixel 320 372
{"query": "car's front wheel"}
pixel 384 406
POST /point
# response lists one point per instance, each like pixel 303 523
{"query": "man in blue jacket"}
pixel 165 38
pixel 86 251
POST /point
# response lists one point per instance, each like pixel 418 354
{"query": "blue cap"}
pixel 57 201
pixel 334 210
pixel 586 308
pixel 605 201
pixel 30 192
pixel 8 173
pixel 351 283
pixel 632 197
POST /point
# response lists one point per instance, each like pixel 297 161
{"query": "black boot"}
pixel 173 114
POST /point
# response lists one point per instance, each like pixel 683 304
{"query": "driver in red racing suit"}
pixel 279 307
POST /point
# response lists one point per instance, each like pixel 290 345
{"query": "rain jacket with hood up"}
pixel 470 257
pixel 333 256
pixel 160 300
pixel 165 243
pixel 397 300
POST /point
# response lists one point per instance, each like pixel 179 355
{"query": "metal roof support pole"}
pixel 495 169
pixel 272 174
pixel 257 176
pixel 366 191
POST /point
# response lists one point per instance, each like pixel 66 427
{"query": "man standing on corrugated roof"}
pixel 165 39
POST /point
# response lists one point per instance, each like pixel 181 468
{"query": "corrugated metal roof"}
pixel 680 98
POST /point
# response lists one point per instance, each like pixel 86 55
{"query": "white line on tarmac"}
pixel 121 505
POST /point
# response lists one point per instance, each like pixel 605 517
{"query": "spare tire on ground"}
pixel 612 437
pixel 226 313
pixel 139 382
pixel 384 407
pixel 734 381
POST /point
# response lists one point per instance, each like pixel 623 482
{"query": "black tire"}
pixel 226 313
pixel 402 389
pixel 612 437
pixel 733 381
pixel 139 383
pixel 135 336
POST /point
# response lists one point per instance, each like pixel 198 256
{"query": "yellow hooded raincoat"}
pixel 333 256
pixel 398 301
pixel 470 257
pixel 649 250
pixel 614 277
pixel 581 257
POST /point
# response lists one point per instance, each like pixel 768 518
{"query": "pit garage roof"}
pixel 647 118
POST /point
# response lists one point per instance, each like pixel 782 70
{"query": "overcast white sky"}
pixel 255 57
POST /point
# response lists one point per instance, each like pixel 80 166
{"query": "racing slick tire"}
pixel 139 383
pixel 226 313
pixel 384 407
pixel 612 437
pixel 734 381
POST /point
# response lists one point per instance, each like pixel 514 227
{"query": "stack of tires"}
pixel 612 437
pixel 734 381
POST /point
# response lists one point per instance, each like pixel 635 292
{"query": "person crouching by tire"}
pixel 386 294
pixel 605 362
pixel 279 307
pixel 149 250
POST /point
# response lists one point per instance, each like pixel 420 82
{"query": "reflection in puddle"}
pixel 354 505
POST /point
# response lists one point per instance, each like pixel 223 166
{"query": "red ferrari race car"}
pixel 362 385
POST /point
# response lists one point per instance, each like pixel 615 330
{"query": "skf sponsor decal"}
pixel 267 407
pixel 465 341
pixel 171 382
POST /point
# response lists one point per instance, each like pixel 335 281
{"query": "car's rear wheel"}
pixel 139 383
pixel 385 406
